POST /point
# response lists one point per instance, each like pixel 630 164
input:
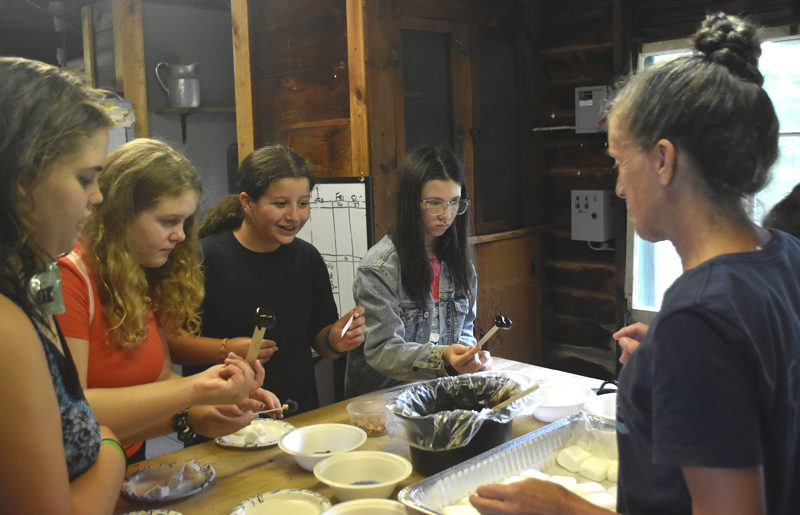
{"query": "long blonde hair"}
pixel 136 177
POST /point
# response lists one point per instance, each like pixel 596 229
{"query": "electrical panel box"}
pixel 590 104
pixel 592 215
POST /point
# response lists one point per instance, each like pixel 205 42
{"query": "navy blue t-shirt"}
pixel 715 382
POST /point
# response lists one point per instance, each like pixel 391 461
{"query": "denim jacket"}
pixel 397 346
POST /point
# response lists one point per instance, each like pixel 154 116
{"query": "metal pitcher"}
pixel 183 86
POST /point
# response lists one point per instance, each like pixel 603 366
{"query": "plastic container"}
pixel 369 414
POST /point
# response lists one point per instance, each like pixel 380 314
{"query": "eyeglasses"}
pixel 436 206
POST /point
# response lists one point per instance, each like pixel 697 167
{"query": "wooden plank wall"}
pixel 588 43
pixel 300 86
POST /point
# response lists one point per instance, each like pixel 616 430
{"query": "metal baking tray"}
pixel 537 449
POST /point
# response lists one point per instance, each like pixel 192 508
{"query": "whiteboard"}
pixel 340 226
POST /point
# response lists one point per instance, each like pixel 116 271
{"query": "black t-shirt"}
pixel 293 282
pixel 716 382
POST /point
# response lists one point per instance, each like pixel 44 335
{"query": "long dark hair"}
pixel 256 173
pixel 419 166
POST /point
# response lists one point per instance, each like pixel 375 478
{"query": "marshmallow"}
pixel 571 457
pixel 565 481
pixel 589 487
pixel 603 499
pixel 594 468
pixel 460 509
pixel 535 474
pixel 613 467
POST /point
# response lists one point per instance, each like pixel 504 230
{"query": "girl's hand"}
pixel 224 384
pixel 213 421
pixel 241 345
pixel 354 336
pixel 486 360
pixel 464 358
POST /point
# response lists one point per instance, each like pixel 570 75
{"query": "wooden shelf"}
pixel 183 112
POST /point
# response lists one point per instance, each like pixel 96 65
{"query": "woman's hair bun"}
pixel 732 42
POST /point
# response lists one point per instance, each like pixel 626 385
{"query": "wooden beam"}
pixel 129 59
pixel 240 26
pixel 87 29
pixel 357 73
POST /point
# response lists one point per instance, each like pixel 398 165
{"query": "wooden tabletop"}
pixel 244 473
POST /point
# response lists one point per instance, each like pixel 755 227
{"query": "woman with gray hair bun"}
pixel 707 406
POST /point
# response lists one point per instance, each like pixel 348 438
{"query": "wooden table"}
pixel 244 473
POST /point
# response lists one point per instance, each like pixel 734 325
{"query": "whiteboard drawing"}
pixel 340 227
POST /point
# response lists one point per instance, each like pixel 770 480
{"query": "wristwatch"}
pixel 180 423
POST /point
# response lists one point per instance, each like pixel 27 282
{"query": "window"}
pixel 652 267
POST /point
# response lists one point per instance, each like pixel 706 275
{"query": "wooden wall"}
pixel 299 80
pixel 589 43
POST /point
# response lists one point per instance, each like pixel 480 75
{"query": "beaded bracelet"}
pixel 222 349
pixel 328 343
pixel 180 424
pixel 114 443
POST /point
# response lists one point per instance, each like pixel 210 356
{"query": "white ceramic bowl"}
pixel 311 444
pixel 561 400
pixel 362 474
pixel 367 507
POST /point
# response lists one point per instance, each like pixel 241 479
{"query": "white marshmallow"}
pixel 571 457
pixel 513 479
pixel 613 467
pixel 589 487
pixel 603 499
pixel 594 468
pixel 565 481
pixel 535 474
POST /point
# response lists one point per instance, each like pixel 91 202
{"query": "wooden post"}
pixel 87 29
pixel 240 26
pixel 359 116
pixel 129 59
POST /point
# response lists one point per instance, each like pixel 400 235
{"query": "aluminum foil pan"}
pixel 537 449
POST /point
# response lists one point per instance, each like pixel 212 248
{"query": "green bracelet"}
pixel 109 441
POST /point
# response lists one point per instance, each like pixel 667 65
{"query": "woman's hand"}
pixel 629 338
pixel 464 358
pixel 213 421
pixel 529 497
pixel 241 345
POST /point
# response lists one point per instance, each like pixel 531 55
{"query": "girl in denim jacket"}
pixel 417 285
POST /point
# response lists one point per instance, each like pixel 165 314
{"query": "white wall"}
pixel 183 35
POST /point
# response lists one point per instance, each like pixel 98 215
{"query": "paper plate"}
pixel 266 432
pixel 285 502
pixel 168 482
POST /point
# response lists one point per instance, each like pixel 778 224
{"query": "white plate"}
pixel 603 406
pixel 285 502
pixel 139 485
pixel 271 432
pixel 154 512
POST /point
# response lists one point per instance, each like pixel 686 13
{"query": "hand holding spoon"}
pixel 265 319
